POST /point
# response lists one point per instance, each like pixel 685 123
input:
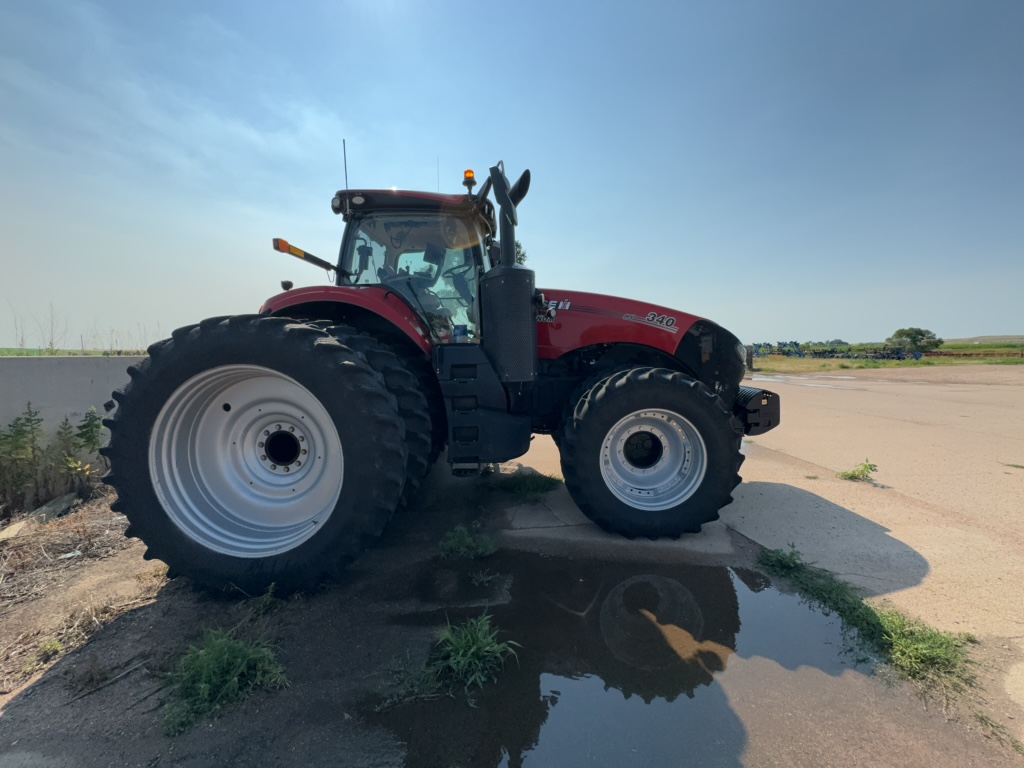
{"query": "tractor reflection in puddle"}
pixel 645 630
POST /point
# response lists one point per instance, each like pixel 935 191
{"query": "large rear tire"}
pixel 252 451
pixel 651 452
pixel 408 393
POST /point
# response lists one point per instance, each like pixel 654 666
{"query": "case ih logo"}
pixel 548 316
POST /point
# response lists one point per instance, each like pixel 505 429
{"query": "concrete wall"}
pixel 59 386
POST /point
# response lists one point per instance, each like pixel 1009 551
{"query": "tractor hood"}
pixel 576 319
pixel 573 320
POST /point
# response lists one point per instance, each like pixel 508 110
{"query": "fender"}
pixel 587 319
pixel 376 299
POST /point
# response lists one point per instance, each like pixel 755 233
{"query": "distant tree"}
pixel 520 253
pixel 837 343
pixel 914 340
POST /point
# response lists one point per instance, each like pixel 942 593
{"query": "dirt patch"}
pixel 60 582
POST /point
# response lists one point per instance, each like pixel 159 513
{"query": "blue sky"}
pixel 791 169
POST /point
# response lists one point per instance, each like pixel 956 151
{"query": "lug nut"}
pixel 263 457
pixel 287 469
pixel 259 445
pixel 291 429
pixel 303 452
pixel 298 463
pixel 266 433
pixel 273 466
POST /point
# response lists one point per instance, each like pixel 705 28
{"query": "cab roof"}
pixel 355 202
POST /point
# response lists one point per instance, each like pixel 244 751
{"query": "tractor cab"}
pixel 432 259
pixel 439 253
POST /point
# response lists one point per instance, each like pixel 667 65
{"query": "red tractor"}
pixel 272 448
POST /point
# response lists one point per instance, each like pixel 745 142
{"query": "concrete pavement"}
pixel 938 535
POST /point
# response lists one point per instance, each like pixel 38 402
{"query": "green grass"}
pixel 469 654
pixel 460 544
pixel 1015 466
pixel 989 347
pixel 924 653
pixel 938 660
pixel 483 578
pixel 220 671
pixel 861 473
pixel 526 487
pixel 797 365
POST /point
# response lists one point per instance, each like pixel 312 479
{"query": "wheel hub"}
pixel 653 459
pixel 280 447
pixel 246 461
pixel 643 450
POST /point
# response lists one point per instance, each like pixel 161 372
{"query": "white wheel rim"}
pixel 246 461
pixel 653 459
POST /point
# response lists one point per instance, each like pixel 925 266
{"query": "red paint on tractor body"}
pixel 377 299
pixel 580 320
pixel 587 319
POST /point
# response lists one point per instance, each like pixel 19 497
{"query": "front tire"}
pixel 651 452
pixel 251 451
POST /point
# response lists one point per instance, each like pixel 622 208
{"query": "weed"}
pixel 1015 466
pixel 253 608
pixel 469 654
pixel 220 671
pixel 998 731
pixel 34 470
pixel 49 649
pixel 937 659
pixel 460 544
pixel 811 477
pixel 483 578
pixel 526 487
pixel 923 653
pixel 861 473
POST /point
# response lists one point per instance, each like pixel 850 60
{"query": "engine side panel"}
pixel 588 319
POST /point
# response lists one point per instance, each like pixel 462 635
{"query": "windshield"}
pixel 430 259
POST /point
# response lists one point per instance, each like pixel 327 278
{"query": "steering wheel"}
pixel 458 278
pixel 458 271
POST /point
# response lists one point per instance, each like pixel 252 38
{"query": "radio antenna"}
pixel 344 152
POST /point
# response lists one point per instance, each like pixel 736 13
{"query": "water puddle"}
pixel 620 663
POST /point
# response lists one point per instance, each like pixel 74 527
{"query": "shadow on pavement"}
pixel 776 515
